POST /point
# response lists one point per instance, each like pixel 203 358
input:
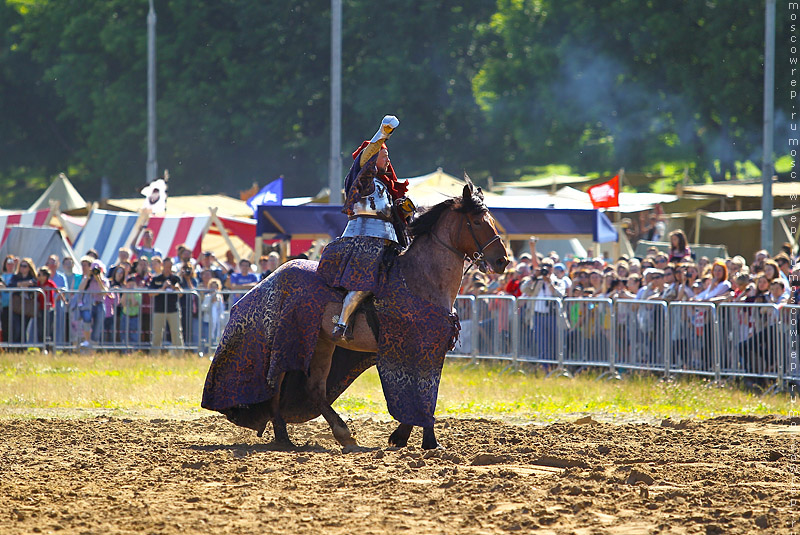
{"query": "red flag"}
pixel 605 195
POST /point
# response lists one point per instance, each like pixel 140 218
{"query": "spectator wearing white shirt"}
pixel 544 283
pixel 719 289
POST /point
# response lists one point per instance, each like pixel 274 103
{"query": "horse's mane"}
pixel 425 222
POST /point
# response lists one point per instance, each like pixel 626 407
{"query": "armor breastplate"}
pixel 370 226
pixel 376 204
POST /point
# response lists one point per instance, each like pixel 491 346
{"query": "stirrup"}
pixel 339 331
pixel 342 332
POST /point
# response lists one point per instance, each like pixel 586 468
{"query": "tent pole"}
pixel 205 231
pixel 788 232
pixel 697 227
pixel 259 250
pixel 224 233
pixel 284 246
pixel 144 216
pixel 56 212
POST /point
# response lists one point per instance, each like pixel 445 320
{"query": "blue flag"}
pixel 272 193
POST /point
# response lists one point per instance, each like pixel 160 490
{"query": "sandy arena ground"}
pixel 110 475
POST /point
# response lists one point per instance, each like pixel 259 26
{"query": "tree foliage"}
pixel 243 88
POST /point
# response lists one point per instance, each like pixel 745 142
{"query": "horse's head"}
pixel 477 235
pixel 465 227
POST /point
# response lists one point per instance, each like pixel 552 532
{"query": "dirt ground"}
pixel 110 475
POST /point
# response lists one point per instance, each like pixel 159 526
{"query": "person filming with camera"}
pixel 541 284
pixel 94 288
pixel 189 305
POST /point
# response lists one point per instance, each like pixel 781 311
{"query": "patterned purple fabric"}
pixel 415 336
pixel 274 329
pixel 353 263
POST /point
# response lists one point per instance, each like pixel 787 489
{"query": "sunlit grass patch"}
pixel 139 383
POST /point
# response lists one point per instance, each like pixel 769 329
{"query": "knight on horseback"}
pixel 378 213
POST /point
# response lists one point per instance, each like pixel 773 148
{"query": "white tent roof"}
pixel 568 197
pixel 37 243
pixel 433 188
pixel 60 190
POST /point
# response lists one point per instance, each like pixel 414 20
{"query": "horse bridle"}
pixel 478 256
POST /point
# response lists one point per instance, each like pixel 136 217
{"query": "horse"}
pixel 442 238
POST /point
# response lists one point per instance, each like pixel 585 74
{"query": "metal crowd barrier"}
pixel 495 321
pixel 25 323
pixel 541 330
pixel 467 344
pixel 790 342
pixel 693 331
pixel 758 341
pixel 750 340
pixel 589 335
pixel 120 319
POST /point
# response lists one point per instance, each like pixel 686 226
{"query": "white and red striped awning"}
pixel 28 219
pixel 107 231
pixel 171 231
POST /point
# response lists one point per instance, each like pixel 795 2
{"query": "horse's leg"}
pixel 278 423
pixel 429 441
pixel 317 392
pixel 400 436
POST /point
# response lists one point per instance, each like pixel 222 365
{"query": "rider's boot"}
pixel 349 306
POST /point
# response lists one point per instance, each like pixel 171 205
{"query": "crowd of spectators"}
pixel 142 300
pixel 674 275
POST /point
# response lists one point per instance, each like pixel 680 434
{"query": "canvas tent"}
pixel 60 190
pixel 9 220
pixel 740 230
pixel 187 205
pixel 698 250
pixel 741 195
pixel 326 220
pixel 107 231
pixel 433 188
pixel 37 243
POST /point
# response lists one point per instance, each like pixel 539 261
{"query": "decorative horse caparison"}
pixel 277 360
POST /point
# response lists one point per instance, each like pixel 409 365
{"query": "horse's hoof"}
pixel 355 448
pixel 398 439
pixel 434 446
pixel 283 445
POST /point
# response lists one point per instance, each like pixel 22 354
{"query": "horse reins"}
pixel 477 256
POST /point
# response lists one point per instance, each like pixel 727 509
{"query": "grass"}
pixel 66 385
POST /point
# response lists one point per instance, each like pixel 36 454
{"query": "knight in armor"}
pixel 377 212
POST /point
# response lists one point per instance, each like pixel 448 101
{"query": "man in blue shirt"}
pixel 244 280
pixel 147 248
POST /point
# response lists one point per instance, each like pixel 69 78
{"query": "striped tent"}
pixel 40 218
pixel 106 232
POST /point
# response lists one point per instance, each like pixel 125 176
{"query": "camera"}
pixel 187 270
pixel 95 271
pixel 544 270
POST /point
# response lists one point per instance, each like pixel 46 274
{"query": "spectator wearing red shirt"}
pixel 512 287
pixel 47 304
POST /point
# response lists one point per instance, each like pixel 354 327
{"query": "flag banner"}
pixel 271 194
pixel 605 195
pixel 155 195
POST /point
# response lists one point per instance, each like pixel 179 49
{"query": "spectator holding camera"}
pixel 94 287
pixel 189 305
pixel 544 283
